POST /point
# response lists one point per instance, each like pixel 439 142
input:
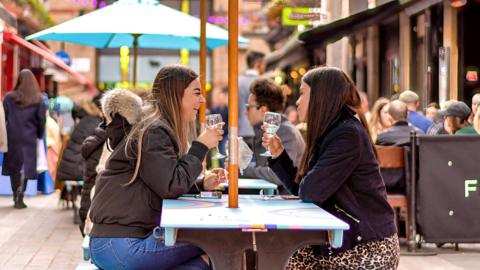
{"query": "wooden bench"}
pixel 86 266
pixel 86 256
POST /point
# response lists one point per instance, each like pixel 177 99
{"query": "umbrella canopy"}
pixel 156 25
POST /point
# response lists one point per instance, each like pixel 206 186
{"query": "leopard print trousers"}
pixel 382 254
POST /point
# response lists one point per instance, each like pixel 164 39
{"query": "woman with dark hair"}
pixel 25 116
pixel 339 172
pixel 159 159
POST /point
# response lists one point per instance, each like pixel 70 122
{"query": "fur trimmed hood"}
pixel 123 102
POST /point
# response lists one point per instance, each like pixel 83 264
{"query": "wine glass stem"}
pixel 268 147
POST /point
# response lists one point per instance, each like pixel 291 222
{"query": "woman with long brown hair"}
pixel 159 159
pixel 339 172
pixel 380 118
pixel 25 117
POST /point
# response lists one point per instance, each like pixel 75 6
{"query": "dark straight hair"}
pixel 27 91
pixel 330 91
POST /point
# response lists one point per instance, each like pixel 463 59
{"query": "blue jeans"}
pixel 148 253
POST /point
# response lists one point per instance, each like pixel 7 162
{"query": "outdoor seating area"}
pixel 237 134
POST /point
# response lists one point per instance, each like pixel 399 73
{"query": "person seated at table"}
pixel 399 133
pixel 339 172
pixel 267 96
pixel 156 161
pixel 456 119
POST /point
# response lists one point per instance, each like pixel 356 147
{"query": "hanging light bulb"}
pixel 457 3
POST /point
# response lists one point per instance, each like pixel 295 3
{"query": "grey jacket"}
pixel 244 82
pixel 292 141
pixel 397 135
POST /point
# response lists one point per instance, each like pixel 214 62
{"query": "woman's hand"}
pixel 273 143
pixel 216 177
pixel 211 136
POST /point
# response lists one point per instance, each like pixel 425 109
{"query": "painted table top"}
pixel 254 212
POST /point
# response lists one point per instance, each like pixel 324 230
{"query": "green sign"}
pixel 293 16
pixel 470 186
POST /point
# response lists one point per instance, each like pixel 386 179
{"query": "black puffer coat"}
pixel 71 165
pixel 122 109
pixel 91 151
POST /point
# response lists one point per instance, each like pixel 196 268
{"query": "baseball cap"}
pixel 458 109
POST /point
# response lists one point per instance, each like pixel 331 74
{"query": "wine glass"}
pixel 215 121
pixel 271 123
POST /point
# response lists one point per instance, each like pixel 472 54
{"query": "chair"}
pixel 394 157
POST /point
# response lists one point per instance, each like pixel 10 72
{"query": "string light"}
pixel 92 3
pixel 224 20
pixel 294 74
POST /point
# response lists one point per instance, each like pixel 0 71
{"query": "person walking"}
pixel 25 115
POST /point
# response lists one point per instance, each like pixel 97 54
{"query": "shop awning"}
pixel 335 30
pixel 49 57
pixel 291 52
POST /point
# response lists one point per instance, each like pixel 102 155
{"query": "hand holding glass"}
pixel 271 123
pixel 215 121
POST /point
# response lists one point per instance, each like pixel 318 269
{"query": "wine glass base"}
pixel 266 154
pixel 218 156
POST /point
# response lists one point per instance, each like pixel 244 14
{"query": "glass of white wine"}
pixel 215 121
pixel 271 123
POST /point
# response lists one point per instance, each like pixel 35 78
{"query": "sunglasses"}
pixel 249 106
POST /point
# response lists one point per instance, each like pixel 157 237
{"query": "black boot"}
pixel 15 183
pixel 19 204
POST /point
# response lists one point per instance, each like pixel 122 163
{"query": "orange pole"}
pixel 233 102
pixel 203 58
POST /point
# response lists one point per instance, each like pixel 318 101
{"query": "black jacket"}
pixel 344 179
pixel 91 151
pixel 397 135
pixel 71 164
pixel 134 210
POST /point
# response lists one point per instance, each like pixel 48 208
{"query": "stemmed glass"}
pixel 271 123
pixel 215 121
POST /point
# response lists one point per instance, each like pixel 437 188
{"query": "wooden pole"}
pixel 135 58
pixel 233 102
pixel 203 59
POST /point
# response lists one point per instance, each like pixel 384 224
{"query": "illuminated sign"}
pixel 472 76
pixel 293 16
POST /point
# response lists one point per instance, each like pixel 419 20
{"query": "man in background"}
pixel 256 66
pixel 399 133
pixel 416 119
pixel 266 96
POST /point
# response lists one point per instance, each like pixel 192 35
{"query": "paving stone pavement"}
pixel 43 236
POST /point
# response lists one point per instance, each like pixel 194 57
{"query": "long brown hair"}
pixel 330 91
pixel 165 103
pixel 375 122
pixel 27 91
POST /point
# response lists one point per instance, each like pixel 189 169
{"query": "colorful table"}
pixel 273 227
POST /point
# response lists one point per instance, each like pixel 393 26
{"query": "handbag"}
pixel 42 165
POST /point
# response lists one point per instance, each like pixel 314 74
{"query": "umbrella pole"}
pixel 233 102
pixel 203 58
pixel 135 58
pixel 203 67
